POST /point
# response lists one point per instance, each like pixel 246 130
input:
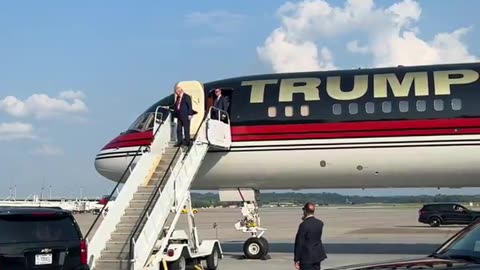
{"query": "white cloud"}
pixel 354 47
pixel 47 150
pixel 390 36
pixel 220 21
pixel 70 94
pixel 16 130
pixel 43 106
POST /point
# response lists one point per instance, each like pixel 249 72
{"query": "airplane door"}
pixel 195 90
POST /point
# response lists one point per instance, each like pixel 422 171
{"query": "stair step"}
pixel 144 196
pixel 119 237
pixel 168 154
pixel 138 203
pixel 116 255
pixel 102 264
pixel 128 226
pixel 117 245
pixel 146 189
pixel 124 220
pixel 134 211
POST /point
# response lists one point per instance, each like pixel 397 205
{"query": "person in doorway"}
pixel 183 112
pixel 309 251
pixel 221 102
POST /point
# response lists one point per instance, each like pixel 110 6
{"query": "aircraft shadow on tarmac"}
pixel 346 248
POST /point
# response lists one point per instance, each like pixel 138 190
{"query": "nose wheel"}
pixel 256 248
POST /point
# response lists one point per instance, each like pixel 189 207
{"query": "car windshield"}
pixel 467 245
pixel 28 229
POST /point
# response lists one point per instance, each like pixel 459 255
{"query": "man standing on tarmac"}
pixel 309 251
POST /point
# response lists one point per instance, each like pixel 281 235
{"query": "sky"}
pixel 73 75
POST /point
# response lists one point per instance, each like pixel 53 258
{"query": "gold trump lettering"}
pixel 360 87
pixel 258 89
pixel 443 79
pixel 308 88
pixel 400 89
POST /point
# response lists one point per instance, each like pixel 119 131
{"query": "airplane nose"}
pixel 112 165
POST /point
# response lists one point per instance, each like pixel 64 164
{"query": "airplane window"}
pixel 438 105
pixel 403 106
pixel 353 108
pixel 304 110
pixel 337 109
pixel 142 122
pixel 288 111
pixel 421 105
pixel 272 111
pixel 387 107
pixel 370 107
pixel 150 123
pixel 456 104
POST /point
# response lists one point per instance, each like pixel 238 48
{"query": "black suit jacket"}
pixel 185 107
pixel 308 242
pixel 221 103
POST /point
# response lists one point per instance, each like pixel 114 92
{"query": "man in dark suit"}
pixel 309 251
pixel 183 111
pixel 220 103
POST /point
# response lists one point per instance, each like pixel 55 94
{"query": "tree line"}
pixel 211 199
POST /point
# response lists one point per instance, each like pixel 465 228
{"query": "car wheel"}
pixel 434 222
pixel 212 260
pixel 180 264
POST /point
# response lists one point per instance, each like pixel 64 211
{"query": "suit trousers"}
pixel 310 266
pixel 183 124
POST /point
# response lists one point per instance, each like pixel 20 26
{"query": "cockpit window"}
pixel 144 122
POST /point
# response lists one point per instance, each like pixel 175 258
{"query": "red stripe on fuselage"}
pixel 357 129
pixel 365 129
pixel 130 140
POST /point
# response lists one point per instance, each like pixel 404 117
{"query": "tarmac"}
pixel 351 235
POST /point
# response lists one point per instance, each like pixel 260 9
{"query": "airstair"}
pixel 135 233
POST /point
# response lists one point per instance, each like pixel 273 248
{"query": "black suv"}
pixel 40 238
pixel 445 214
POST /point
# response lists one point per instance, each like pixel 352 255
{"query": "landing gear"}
pixel 256 247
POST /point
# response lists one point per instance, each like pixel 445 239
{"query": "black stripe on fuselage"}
pixel 119 155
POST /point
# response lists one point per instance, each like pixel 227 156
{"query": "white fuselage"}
pixel 431 161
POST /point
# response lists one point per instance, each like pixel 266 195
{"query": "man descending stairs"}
pixel 116 254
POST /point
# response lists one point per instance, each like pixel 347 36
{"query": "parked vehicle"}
pixel 461 251
pixel 446 214
pixel 105 199
pixel 40 238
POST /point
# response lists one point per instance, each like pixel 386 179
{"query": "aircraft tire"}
pixel 255 248
pixel 267 245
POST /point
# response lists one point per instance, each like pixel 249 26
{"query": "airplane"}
pixel 389 127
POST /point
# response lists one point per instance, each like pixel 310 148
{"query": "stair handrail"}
pixel 123 175
pixel 157 189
